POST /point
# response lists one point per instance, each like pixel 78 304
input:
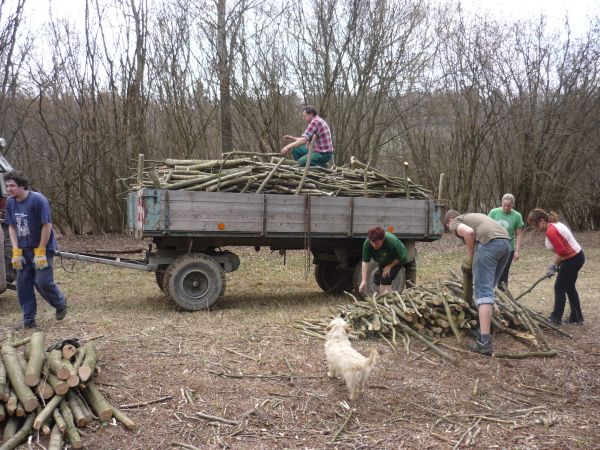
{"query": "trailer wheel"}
pixel 397 285
pixel 332 279
pixel 160 276
pixel 194 282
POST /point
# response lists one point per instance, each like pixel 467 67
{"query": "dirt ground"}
pixel 245 362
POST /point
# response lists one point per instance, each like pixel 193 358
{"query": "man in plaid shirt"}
pixel 317 134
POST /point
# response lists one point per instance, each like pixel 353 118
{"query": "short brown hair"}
pixel 18 177
pixel 310 110
pixel 376 234
pixel 450 215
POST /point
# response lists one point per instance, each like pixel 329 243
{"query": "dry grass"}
pixel 244 361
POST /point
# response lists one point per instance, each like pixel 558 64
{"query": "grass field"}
pixel 244 361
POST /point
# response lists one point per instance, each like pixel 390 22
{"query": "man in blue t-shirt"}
pixel 29 222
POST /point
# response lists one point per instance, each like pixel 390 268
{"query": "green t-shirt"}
pixel 510 222
pixel 391 249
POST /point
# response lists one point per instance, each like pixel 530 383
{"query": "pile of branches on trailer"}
pixel 281 176
pixel 430 311
pixel 50 391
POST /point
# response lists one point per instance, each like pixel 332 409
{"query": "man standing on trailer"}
pixel 322 147
pixel 29 220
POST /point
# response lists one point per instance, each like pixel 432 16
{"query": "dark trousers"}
pixel 504 277
pixel 564 286
pixel 29 278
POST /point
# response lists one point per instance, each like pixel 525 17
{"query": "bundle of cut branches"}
pixel 281 176
pixel 49 391
pixel 433 310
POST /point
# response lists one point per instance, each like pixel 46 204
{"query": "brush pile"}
pixel 50 391
pixel 434 310
pixel 280 176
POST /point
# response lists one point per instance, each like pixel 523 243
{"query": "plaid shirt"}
pixel 318 126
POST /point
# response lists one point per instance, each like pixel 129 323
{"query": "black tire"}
pixel 194 282
pixel 160 276
pixel 398 284
pixel 332 279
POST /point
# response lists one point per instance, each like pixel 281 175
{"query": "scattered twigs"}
pixel 149 402
pixel 217 418
pixel 531 288
pixel 546 354
pixel 341 429
pixel 434 310
pixel 184 445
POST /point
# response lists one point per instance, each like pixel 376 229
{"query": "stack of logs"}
pixel 50 392
pixel 433 310
pixel 281 176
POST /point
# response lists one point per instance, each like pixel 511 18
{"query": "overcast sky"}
pixel 579 11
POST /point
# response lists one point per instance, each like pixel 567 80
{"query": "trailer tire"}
pixel 194 282
pixel 331 278
pixel 398 284
pixel 160 276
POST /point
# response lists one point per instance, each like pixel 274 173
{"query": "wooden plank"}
pixel 407 217
pixel 213 197
pixel 328 215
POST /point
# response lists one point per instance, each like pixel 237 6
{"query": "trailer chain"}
pixel 307 243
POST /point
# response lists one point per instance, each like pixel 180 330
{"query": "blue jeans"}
pixel 300 154
pixel 29 278
pixel 489 262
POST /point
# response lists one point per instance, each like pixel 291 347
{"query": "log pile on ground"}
pixel 280 176
pixel 50 392
pixel 431 311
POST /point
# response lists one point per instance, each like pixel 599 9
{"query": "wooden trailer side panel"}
pixel 208 213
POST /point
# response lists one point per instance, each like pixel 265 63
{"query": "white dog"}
pixel 344 361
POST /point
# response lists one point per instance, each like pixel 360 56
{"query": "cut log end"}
pixel 85 372
pixel 32 379
pixel 30 404
pixel 63 373
pixel 73 381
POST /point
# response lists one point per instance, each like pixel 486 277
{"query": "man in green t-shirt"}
pixel 388 252
pixel 512 222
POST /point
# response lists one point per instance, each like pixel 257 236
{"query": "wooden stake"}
pixel 56 439
pixel 72 432
pixel 15 375
pixel 37 358
pixel 86 369
pixel 46 412
pixel 56 364
pixel 68 351
pixel 21 435
pixel 97 401
pixel 58 419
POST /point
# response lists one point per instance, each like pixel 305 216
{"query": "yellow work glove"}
pixel 17 258
pixel 40 261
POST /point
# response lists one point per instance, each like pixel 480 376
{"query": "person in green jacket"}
pixel 389 253
pixel 512 222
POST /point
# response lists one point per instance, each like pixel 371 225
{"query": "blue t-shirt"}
pixel 28 216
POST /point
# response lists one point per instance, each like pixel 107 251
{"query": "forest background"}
pixel 497 106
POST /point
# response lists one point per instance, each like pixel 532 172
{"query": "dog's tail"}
pixel 373 357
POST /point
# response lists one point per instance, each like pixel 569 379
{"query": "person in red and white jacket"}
pixel 568 260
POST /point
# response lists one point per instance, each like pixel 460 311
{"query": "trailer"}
pixel 192 233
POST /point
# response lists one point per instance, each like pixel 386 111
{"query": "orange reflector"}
pixel 390 229
pixel 221 226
